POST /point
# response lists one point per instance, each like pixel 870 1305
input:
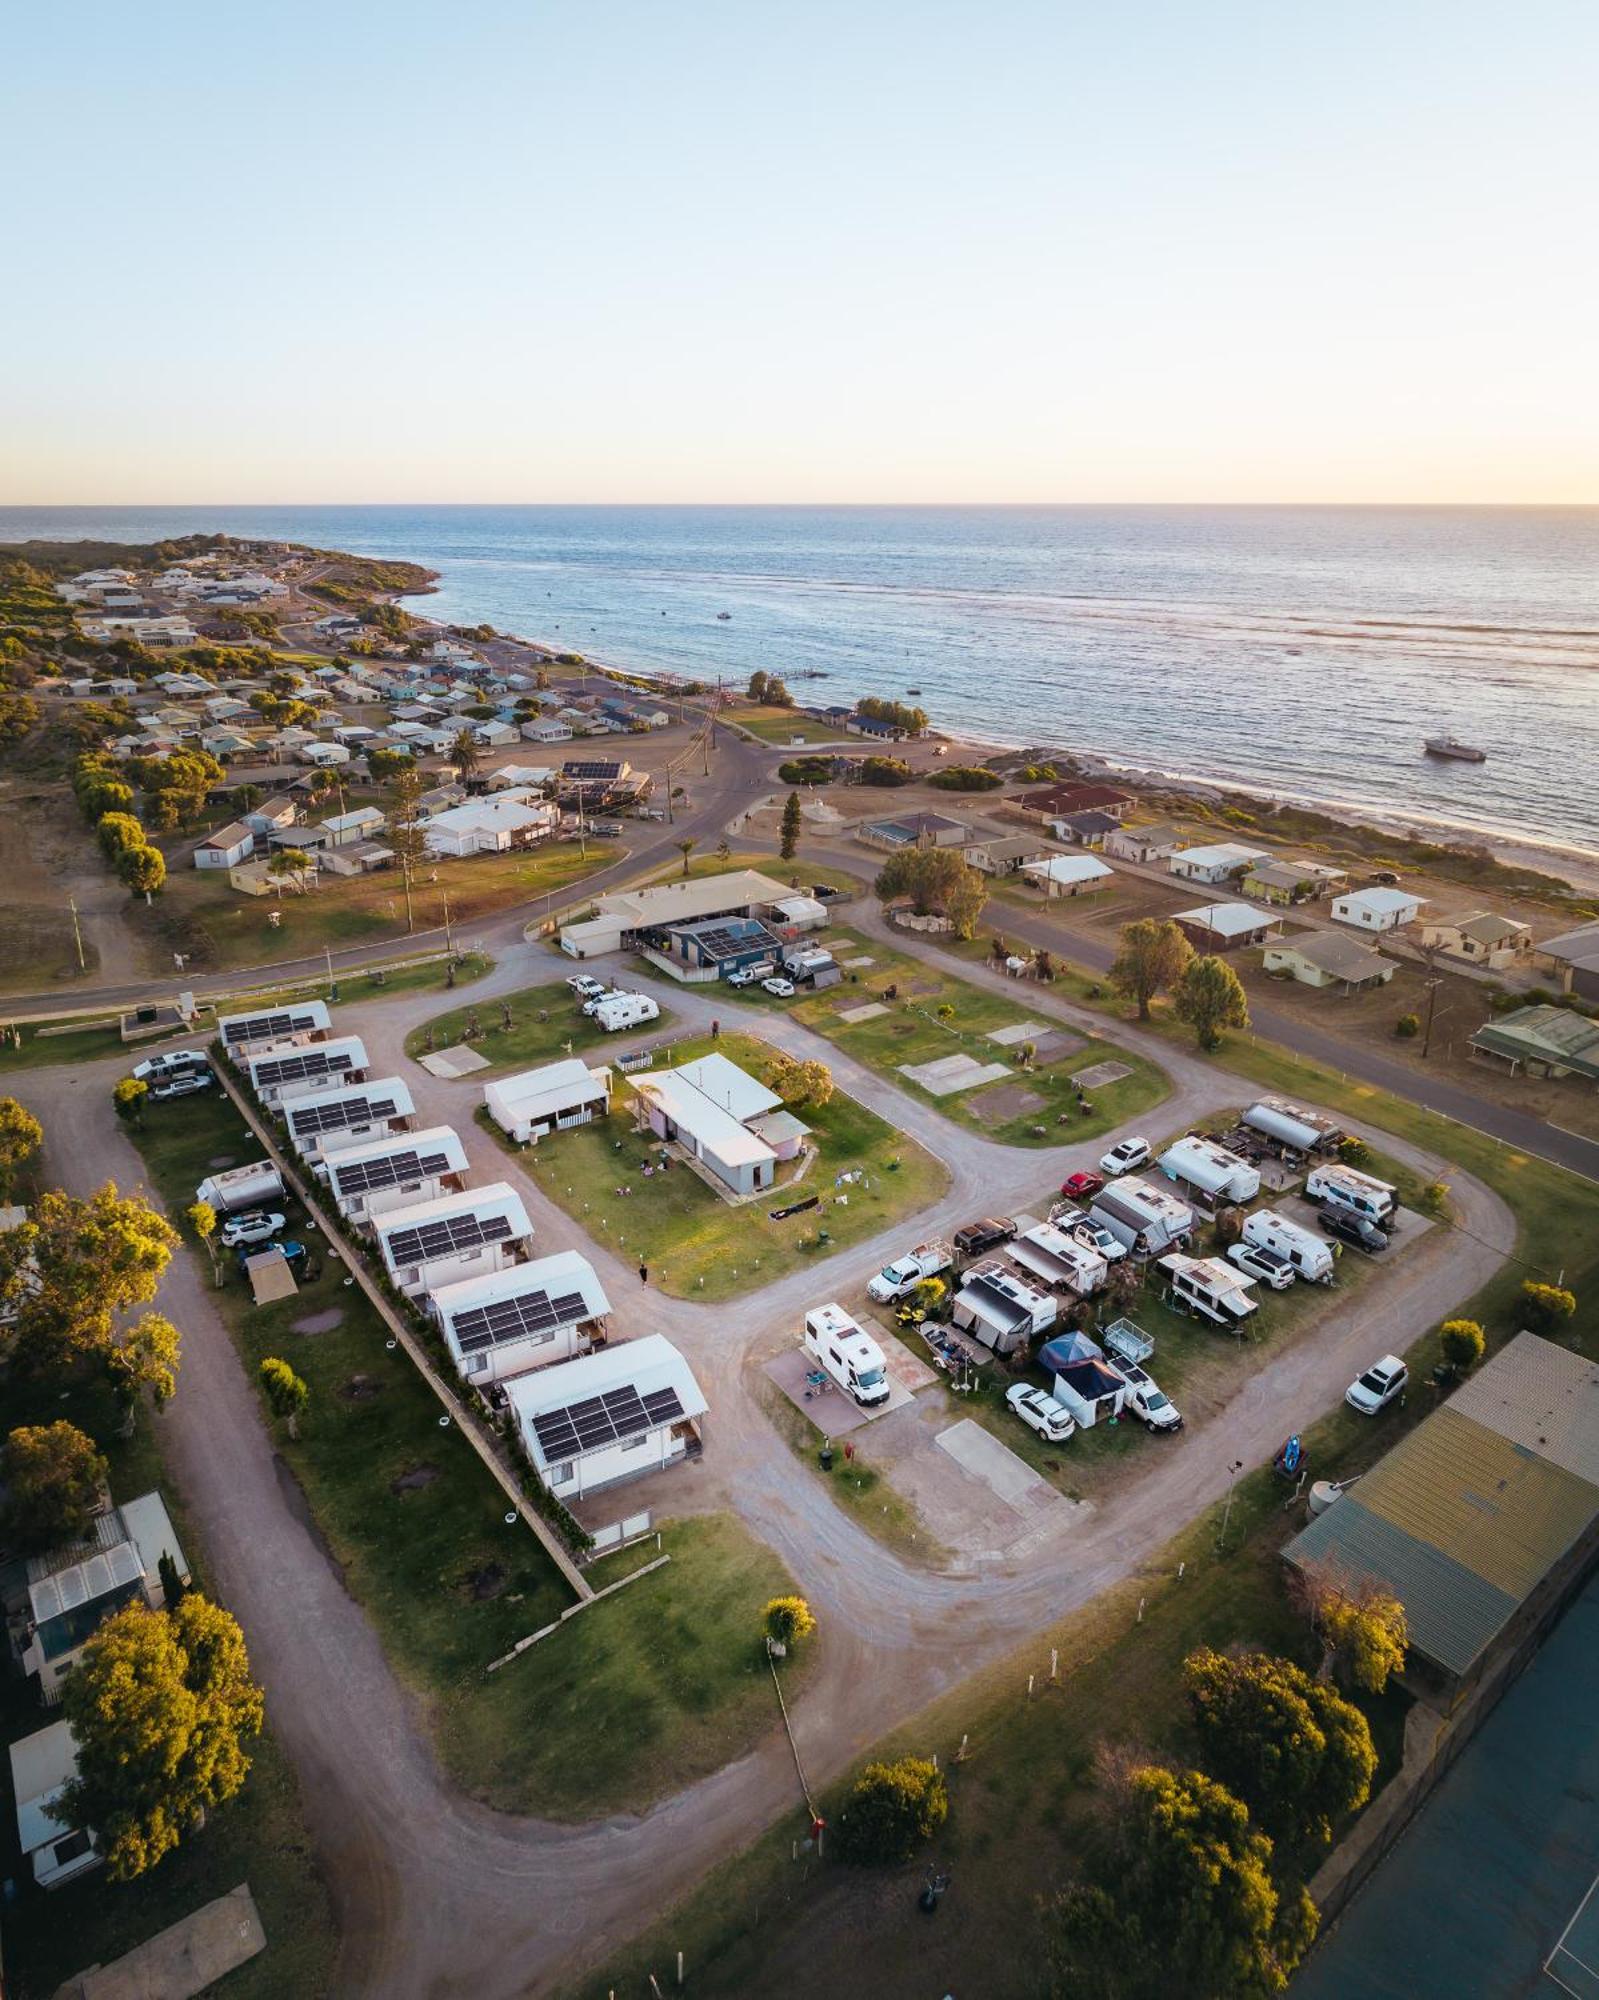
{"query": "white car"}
pixel 1041 1413
pixel 155 1067
pixel 1271 1267
pixel 782 989
pixel 586 986
pixel 1147 1401
pixel 1095 1236
pixel 1384 1382
pixel 184 1084
pixel 1125 1158
pixel 256 1225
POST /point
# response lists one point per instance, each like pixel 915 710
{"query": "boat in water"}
pixel 913 690
pixel 724 617
pixel 1451 746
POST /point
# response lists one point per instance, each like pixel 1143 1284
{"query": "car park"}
pixel 294 1255
pixel 1384 1382
pixel 781 989
pixel 1040 1412
pixel 986 1234
pixel 1125 1158
pixel 1351 1228
pixel 184 1084
pixel 1270 1266
pixel 1082 1186
pixel 586 986
pixel 1095 1236
pixel 257 1225
pixel 170 1063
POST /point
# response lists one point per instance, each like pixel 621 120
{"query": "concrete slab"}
pixel 1018 1031
pixel 980 1453
pixel 833 1412
pixel 183 1960
pixel 868 1010
pixel 453 1063
pixel 1099 1074
pixel 951 1074
pixel 859 964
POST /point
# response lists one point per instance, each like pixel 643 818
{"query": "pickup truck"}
pixel 1148 1402
pixel 927 1260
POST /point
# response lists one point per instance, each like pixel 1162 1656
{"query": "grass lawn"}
pixel 1037 1107
pixel 698 1245
pixel 855 1483
pixel 781 725
pixel 529 1040
pixel 640 1694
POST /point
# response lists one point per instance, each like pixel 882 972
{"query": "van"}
pixel 1310 1257
pixel 848 1354
pixel 625 1010
pixel 1359 1194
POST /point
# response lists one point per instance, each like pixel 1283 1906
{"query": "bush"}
pixel 1354 1152
pixel 1408 1027
pixel 1462 1342
pixel 788 1620
pixel 966 778
pixel 886 771
pixel 1546 1307
pixel 892 1810
pixel 806 770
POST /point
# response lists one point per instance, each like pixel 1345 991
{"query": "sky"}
pixel 827 252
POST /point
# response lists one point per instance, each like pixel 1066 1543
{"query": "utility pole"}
pixel 1432 1001
pixel 77 932
pixel 449 940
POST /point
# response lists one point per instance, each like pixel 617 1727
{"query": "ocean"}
pixel 1302 652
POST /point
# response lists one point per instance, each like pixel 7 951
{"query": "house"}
pixel 495 734
pixel 1143 1217
pixel 611 1416
pixel 528 1316
pixel 1085 829
pixel 620 919
pixel 42 1766
pixel 72 1590
pixel 110 688
pixel 1059 801
pixel 490 826
pixel 1481 1520
pixel 724 944
pixel 1283 882
pixel 349 828
pixel 536 1102
pixel 1325 959
pixel 361 859
pixel 226 708
pixel 723 1118
pixel 928 829
pixel 1573 959
pixel 525 777
pixel 301 1022
pixel 1225 926
pixel 1377 909
pixel 1480 939
pixel 1541 1041
pixel 1219 863
pixel 466 1233
pixel 224 744
pixel 1068 874
pixel 290 1072
pixel 869 725
pixel 324 1122
pixel 1143 844
pixel 1004 854
pixel 304 839
pixel 1091 1391
pixel 225 848
pixel 547 729
pixel 799 913
pixel 272 814
pixel 396 1171
pixel 324 756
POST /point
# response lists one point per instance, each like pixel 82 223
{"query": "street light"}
pixel 1233 1471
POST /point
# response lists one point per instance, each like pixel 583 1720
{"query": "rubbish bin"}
pixel 825 1456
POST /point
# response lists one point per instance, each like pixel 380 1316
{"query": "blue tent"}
pixel 1066 1348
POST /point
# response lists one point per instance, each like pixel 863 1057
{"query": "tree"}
pixel 777 694
pixel 117 832
pixel 406 837
pixel 292 865
pixel 788 841
pixel 935 879
pixel 1294 1750
pixel 54 1477
pixel 145 1356
pixel 21 1136
pixel 788 1620
pixel 685 848
pixel 1151 958
pixel 1546 1307
pixel 465 753
pixel 386 763
pixel 284 1391
pixel 797 1081
pixel 161 1704
pixel 143 869
pixel 964 900
pixel 72 1267
pixel 1363 1630
pixel 1462 1342
pixel 202 1219
pixel 886 771
pixel 892 1809
pixel 178 785
pixel 128 1097
pixel 1210 997
pixel 757 687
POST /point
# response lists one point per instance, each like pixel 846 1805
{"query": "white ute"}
pixel 848 1354
pixel 1148 1402
pixel 927 1260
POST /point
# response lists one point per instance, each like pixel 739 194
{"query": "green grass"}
pixel 640 1694
pixel 529 1040
pixel 854 1482
pixel 697 1245
pixel 77 1044
pixel 913 1032
pixel 381 982
pixel 780 725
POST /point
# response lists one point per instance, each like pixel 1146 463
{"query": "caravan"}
pixel 1336 1186
pixel 1310 1257
pixel 848 1354
pixel 1209 1170
pixel 1215 1290
pixel 623 1010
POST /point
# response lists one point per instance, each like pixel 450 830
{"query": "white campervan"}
pixel 848 1354
pixel 1310 1255
pixel 1338 1186
pixel 625 1010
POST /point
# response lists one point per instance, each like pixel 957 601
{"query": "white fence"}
pixel 633 1529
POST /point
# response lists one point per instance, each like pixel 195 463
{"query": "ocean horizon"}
pixel 1297 651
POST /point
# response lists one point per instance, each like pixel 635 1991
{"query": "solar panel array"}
pixel 311 1065
pixel 392 1170
pixel 306 1121
pixel 515 1319
pixel 578 768
pixel 268 1027
pixel 601 1420
pixel 727 940
pixel 446 1236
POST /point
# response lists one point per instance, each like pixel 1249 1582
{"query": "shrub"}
pixel 966 778
pixel 1462 1342
pixel 1546 1307
pixel 1408 1027
pixel 1354 1152
pixel 788 1620
pixel 886 771
pixel 892 1809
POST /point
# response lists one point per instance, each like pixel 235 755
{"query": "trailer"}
pixel 241 1187
pixel 1126 1341
pixel 1210 1170
pixel 1216 1290
pixel 1310 1255
pixel 1291 1126
pixel 1337 1186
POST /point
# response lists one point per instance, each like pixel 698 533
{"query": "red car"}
pixel 1080 1186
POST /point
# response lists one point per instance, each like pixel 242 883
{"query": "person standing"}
pixel 644 1274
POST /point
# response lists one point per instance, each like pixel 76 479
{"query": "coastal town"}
pixel 723 1301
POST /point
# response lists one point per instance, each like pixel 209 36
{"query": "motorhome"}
pixel 1210 1170
pixel 241 1187
pixel 1291 1126
pixel 1311 1257
pixel 1216 1290
pixel 848 1354
pixel 1343 1187
pixel 1143 1218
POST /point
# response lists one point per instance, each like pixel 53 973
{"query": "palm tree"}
pixel 686 848
pixel 464 753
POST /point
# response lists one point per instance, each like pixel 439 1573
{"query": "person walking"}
pixel 644 1274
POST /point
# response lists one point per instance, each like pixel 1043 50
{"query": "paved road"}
pixel 438 1896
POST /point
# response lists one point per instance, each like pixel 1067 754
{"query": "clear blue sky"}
pixel 998 251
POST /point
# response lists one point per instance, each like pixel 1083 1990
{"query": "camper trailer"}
pixel 1338 1186
pixel 1001 1308
pixel 1311 1258
pixel 1289 1126
pixel 241 1188
pixel 1209 1170
pixel 625 1010
pixel 1143 1218
pixel 848 1354
pixel 1217 1291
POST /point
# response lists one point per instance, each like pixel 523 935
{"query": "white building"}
pixel 74 1589
pixel 527 1316
pixel 292 1072
pixel 490 826
pixel 325 756
pixel 547 729
pixel 1215 864
pixel 300 1022
pixel 618 918
pixel 465 1234
pixel 325 1122
pixel 397 1171
pixel 1143 844
pixel 611 1416
pixel 1068 874
pixel 526 777
pixel 347 829
pixel 42 1766
pixel 225 848
pixel 724 1118
pixel 1377 909
pixel 551 1099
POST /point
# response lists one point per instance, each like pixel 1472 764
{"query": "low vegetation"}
pixel 521 1030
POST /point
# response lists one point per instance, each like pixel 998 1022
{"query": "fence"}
pixel 620 1533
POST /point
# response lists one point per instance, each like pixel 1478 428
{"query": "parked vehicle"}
pixel 778 987
pixel 1269 1266
pixel 625 1010
pixel 1217 1291
pixel 1082 1186
pixel 294 1254
pixel 1383 1383
pixel 1351 1228
pixel 927 1260
pixel 1210 1170
pixel 848 1353
pixel 586 986
pixel 1148 1402
pixel 184 1084
pixel 1040 1412
pixel 1146 1217
pixel 592 1003
pixel 253 1226
pixel 987 1234
pixel 1303 1249
pixel 1336 1185
pixel 1095 1236
pixel 171 1062
pixel 1291 1126
pixel 1126 1157
pixel 241 1188
pixel 1127 1343
pixel 746 975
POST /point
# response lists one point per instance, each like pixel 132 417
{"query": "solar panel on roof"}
pixel 393 1170
pixel 597 1421
pixel 506 1320
pixel 447 1235
pixel 300 1068
pixel 267 1027
pixel 310 1119
pixel 590 769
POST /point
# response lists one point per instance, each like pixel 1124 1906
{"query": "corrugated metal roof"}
pixel 1541 1396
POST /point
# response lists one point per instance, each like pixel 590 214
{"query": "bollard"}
pixel 1054 1662
pixel 1029 1687
pixel 1140 1611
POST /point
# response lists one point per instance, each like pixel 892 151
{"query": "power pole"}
pixel 1432 1001
pixel 449 939
pixel 77 932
